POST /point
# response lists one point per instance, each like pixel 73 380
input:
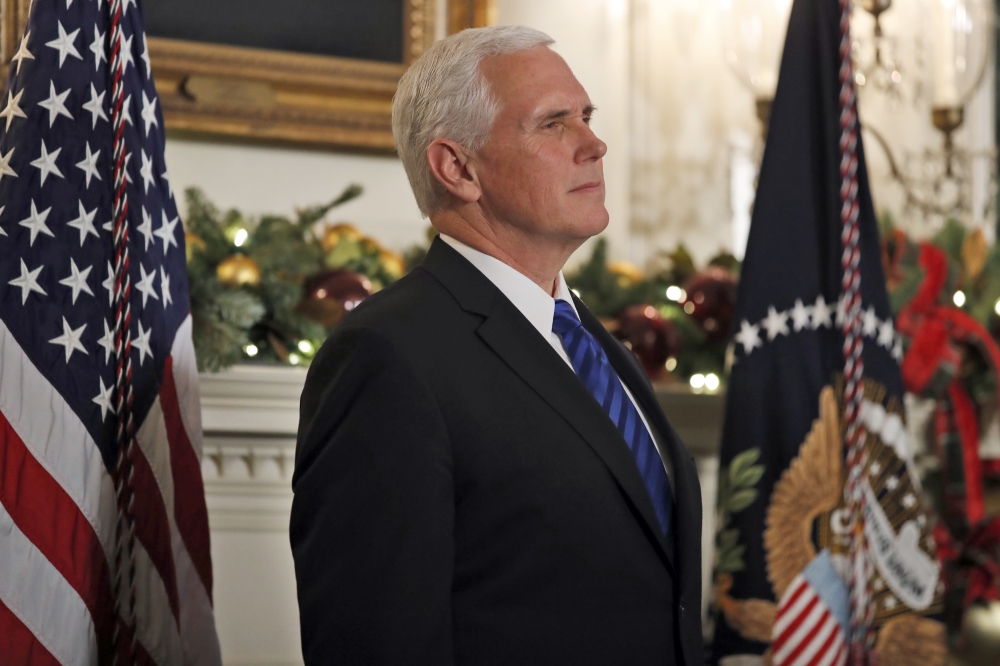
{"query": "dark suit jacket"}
pixel 460 498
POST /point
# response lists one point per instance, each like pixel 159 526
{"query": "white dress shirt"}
pixel 539 309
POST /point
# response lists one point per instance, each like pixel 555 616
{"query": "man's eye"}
pixel 551 125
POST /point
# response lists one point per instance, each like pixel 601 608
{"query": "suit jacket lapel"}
pixel 687 491
pixel 511 336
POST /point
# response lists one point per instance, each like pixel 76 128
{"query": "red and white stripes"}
pixel 805 631
pixel 861 567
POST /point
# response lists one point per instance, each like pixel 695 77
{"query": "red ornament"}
pixel 330 294
pixel 651 338
pixel 709 299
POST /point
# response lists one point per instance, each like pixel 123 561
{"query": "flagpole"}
pixel 861 652
pixel 125 530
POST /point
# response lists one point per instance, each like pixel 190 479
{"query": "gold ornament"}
pixel 334 233
pixel 192 243
pixel 627 274
pixel 392 263
pixel 238 270
pixel 974 251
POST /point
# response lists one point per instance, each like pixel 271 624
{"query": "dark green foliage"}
pixel 228 317
pixel 606 293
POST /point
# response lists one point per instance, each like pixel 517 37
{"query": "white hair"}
pixel 445 95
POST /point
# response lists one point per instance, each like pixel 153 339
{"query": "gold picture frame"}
pixel 278 96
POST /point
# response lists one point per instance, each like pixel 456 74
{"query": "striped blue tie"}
pixel 592 366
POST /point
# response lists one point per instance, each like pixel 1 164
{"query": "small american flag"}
pixel 811 623
pixel 58 404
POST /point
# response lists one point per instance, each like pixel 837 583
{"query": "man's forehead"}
pixel 536 82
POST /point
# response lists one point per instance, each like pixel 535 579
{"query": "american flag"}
pixel 812 619
pixel 58 402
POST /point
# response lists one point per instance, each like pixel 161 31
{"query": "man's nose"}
pixel 591 147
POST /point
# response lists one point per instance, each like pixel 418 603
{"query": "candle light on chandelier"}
pixel 754 35
pixel 959 39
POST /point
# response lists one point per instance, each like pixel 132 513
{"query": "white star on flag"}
pixel 56 104
pixel 145 285
pixel 127 57
pixel 166 232
pixel 146 228
pixel 149 112
pixel 13 108
pixel 886 332
pixel 820 313
pixel 64 44
pixel 70 339
pixel 166 176
pixel 89 164
pixel 77 280
pixel 22 52
pixel 103 399
pixel 800 315
pixel 127 109
pixel 775 323
pixel 749 336
pixel 46 163
pixel 141 343
pixel 870 323
pixel 146 171
pixel 5 169
pixel 165 287
pixel 841 310
pixel 28 282
pixel 107 341
pixel 97 48
pixel 145 57
pixel 36 223
pixel 109 284
pixel 95 105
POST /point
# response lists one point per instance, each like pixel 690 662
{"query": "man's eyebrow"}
pixel 563 113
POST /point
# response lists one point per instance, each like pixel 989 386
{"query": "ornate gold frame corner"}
pixel 259 94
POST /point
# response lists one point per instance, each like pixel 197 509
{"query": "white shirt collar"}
pixel 532 301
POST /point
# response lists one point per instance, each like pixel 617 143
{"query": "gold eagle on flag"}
pixel 809 499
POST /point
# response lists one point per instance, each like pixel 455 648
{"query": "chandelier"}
pixel 754 37
pixel 876 60
pixel 937 182
pixel 956 38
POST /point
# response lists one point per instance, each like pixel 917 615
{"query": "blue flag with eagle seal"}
pixel 780 571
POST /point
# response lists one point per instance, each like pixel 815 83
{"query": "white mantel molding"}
pixel 252 399
pixel 259 405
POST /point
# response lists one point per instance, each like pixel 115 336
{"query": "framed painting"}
pixel 317 72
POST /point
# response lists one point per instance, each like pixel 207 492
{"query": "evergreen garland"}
pixel 247 278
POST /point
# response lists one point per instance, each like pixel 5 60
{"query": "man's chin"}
pixel 591 223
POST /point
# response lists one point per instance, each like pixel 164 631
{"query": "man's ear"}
pixel 449 163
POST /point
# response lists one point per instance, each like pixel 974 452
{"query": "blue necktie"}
pixel 592 366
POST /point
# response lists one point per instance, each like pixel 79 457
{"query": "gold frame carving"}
pixel 258 94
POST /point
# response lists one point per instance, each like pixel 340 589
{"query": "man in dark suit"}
pixel 483 474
